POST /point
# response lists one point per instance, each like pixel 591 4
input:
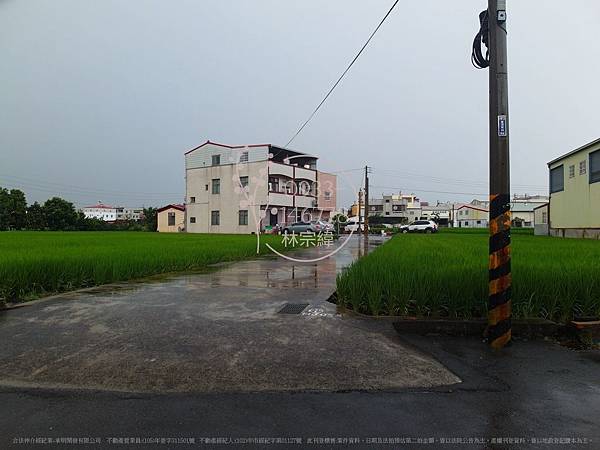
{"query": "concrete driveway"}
pixel 212 332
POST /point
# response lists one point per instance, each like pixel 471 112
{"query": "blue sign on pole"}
pixel 502 131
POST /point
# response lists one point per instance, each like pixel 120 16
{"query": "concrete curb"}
pixel 528 328
pixel 587 332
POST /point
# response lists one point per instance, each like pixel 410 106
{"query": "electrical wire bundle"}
pixel 482 37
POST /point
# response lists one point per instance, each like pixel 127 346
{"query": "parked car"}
pixel 420 226
pixel 325 226
pixel 352 226
pixel 300 227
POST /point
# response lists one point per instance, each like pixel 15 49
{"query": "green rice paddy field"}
pixel 445 275
pixel 40 263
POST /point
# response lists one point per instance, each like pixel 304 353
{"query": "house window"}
pixel 216 186
pixel 572 171
pixel 582 167
pixel 207 187
pixel 527 224
pixel 243 217
pixel 273 184
pixel 387 213
pixel 387 200
pixel 479 222
pixel 304 188
pixel 244 157
pixel 192 220
pixel 216 160
pixel 192 199
pixel 244 181
pixel 544 217
pixel 327 195
pixel 557 179
pixel 215 218
pixel 171 219
pixel 595 166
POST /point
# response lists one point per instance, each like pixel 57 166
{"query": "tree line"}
pixel 57 214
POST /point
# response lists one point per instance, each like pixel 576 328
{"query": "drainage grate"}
pixel 293 308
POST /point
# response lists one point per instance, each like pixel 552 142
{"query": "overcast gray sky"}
pixel 100 99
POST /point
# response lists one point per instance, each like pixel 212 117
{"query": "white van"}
pixel 352 225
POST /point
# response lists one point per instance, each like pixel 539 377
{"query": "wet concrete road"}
pixel 212 332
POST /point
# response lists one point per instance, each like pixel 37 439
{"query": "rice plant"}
pixel 39 263
pixel 446 275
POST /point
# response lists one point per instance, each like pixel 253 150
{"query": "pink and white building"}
pixel 252 188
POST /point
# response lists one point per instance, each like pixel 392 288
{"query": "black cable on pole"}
pixel 481 38
pixel 342 75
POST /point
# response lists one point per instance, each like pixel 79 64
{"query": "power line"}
pixel 342 75
pixel 348 170
pixel 430 191
pixel 459 181
pixel 53 185
pixel 83 197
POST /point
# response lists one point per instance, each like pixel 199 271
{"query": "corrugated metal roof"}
pixel 525 206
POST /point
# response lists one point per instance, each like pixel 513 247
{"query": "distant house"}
pixel 523 214
pixel 100 211
pixel 472 216
pixel 480 203
pixel 129 213
pixel 574 206
pixel 523 207
pixel 440 213
pixel 395 208
pixel 171 219
pixel 111 213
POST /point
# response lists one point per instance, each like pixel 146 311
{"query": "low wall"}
pixel 586 233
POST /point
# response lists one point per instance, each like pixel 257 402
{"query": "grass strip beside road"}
pixel 446 275
pixel 34 264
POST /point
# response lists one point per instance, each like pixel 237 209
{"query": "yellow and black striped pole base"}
pixel 499 302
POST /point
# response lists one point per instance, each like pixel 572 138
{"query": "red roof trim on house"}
pixel 226 146
pixel 173 206
pixel 472 207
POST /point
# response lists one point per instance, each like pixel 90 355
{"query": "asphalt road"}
pixel 533 390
